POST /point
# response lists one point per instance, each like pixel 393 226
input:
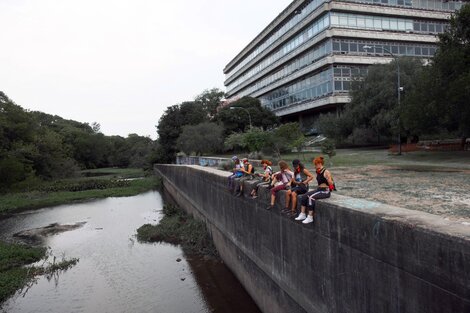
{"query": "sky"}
pixel 121 63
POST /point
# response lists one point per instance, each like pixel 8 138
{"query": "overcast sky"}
pixel 120 62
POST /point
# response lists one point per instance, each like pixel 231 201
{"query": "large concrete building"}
pixel 302 63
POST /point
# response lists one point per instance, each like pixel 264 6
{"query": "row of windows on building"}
pixel 385 23
pixel 361 47
pixel 300 62
pixel 312 30
pixel 339 46
pixel 312 5
pixel 348 20
pixel 286 26
pixel 419 4
pixel 335 79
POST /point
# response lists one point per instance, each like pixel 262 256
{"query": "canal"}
pixel 115 272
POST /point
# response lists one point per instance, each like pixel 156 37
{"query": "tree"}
pixel 328 147
pixel 333 126
pixel 210 100
pixel 38 146
pixel 50 159
pixel 373 108
pixel 440 101
pixel 170 126
pixel 202 138
pixel 284 138
pixel 235 142
pixel 237 120
pixel 450 73
pixel 255 139
pixel 374 99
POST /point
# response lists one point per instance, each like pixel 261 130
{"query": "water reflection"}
pixel 116 273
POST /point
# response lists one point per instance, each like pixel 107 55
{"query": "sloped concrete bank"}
pixel 358 256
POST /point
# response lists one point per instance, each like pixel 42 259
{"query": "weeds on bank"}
pixel 177 227
pixel 15 275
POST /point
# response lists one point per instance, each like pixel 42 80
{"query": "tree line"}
pixel 205 125
pixel 435 100
pixel 36 146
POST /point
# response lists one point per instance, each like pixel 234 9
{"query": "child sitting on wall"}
pixel 236 172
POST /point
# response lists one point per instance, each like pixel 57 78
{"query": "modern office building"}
pixel 302 63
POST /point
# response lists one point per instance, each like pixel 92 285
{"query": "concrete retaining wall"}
pixel 358 256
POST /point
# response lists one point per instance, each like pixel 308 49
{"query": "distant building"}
pixel 302 63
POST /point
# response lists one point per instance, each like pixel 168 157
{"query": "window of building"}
pixel 336 46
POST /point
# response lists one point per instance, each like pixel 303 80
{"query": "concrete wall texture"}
pixel 358 255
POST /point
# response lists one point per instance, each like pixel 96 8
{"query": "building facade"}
pixel 303 62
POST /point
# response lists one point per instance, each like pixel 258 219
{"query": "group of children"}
pixel 295 182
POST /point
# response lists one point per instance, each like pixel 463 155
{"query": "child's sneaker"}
pixel 301 217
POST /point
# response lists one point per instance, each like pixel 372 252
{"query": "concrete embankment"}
pixel 358 256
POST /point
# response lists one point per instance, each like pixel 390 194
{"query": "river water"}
pixel 116 273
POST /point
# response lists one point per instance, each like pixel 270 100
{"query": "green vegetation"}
pixel 328 147
pixel 198 127
pixel 36 147
pixel 176 227
pixel 78 190
pixel 204 137
pixel 14 274
pixel 113 173
pixel 276 141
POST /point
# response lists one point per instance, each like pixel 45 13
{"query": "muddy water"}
pixel 115 272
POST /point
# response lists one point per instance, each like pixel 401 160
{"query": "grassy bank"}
pixel 93 184
pixel 14 274
pixel 107 183
pixel 176 227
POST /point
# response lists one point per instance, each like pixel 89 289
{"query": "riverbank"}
pixel 15 273
pixel 96 184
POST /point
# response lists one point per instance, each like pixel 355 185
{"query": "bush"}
pixel 255 155
pixel 176 227
pixel 328 147
pixel 226 166
pixel 171 210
